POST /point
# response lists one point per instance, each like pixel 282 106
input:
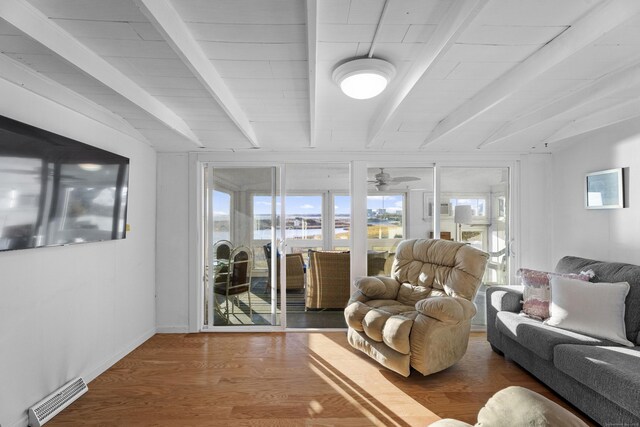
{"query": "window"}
pixel 341 219
pixel 304 217
pixel 478 206
pixel 262 217
pixel 385 216
pixel 221 216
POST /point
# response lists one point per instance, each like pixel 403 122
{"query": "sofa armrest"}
pixel 447 309
pixel 505 298
pixel 378 287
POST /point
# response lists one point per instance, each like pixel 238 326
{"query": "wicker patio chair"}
pixel 329 280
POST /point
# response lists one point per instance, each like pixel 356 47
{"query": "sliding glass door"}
pixel 474 209
pixel 242 227
pixel 317 245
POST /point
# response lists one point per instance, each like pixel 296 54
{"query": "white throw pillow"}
pixel 595 309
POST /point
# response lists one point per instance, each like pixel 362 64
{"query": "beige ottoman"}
pixel 517 406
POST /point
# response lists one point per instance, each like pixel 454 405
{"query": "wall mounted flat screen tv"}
pixel 58 191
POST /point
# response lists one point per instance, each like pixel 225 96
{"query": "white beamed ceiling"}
pixel 259 49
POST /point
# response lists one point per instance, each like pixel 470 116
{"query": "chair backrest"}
pixel 222 249
pixel 329 279
pixel 450 268
pixel 240 265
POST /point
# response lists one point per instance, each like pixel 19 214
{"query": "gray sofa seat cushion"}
pixel 613 372
pixel 539 338
pixel 612 272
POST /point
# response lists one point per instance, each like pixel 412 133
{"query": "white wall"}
pixel 75 310
pixel 536 214
pixel 608 235
pixel 172 274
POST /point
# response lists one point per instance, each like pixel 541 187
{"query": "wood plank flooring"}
pixel 285 379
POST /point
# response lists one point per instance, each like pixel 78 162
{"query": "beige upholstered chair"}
pixel 329 277
pixel 419 317
pixel 518 406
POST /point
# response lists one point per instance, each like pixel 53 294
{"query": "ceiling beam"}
pixel 23 76
pixel 593 25
pixel 312 55
pixel 35 24
pixel 168 22
pixel 459 16
pixel 628 111
pixel 607 85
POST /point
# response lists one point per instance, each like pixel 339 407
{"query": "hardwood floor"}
pixel 285 379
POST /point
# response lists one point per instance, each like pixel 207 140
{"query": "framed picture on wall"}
pixel 604 189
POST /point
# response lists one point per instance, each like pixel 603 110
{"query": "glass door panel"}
pixel 397 201
pixel 475 212
pixel 317 245
pixel 242 210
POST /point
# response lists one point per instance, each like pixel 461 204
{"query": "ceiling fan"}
pixel 383 180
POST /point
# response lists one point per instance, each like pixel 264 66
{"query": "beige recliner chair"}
pixel 419 317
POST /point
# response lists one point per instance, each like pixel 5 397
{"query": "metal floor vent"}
pixel 51 405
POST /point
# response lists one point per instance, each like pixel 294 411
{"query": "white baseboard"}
pixel 116 357
pixel 22 422
pixel 172 329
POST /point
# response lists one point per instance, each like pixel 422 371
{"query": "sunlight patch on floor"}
pixel 351 376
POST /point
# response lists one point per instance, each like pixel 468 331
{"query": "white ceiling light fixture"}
pixel 364 78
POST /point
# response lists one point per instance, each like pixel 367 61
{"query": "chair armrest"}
pixel 505 298
pixel 447 309
pixel 378 287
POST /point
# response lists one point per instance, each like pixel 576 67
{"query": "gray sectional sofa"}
pixel 599 377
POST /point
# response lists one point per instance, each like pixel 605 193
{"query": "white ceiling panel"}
pixel 340 33
pixel 129 48
pixel 146 31
pixel 333 11
pixel 365 11
pixel 489 53
pixel 480 70
pixel 238 85
pixel 247 33
pixel 510 35
pixel 419 33
pixel 99 29
pixel 594 61
pixel 534 13
pixel 20 44
pixel 255 51
pixel 627 34
pixel 7 29
pixel 241 11
pixel 259 51
pixel 334 52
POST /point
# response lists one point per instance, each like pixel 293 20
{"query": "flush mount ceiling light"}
pixel 363 78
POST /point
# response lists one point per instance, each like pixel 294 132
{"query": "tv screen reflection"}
pixel 57 191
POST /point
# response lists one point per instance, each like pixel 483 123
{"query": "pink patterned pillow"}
pixel 537 291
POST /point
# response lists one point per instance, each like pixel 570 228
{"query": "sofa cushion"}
pixel 537 290
pixel 387 321
pixel 594 309
pixel 612 272
pixel 613 372
pixel 539 338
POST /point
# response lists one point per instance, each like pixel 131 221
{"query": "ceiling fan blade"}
pixel 405 179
